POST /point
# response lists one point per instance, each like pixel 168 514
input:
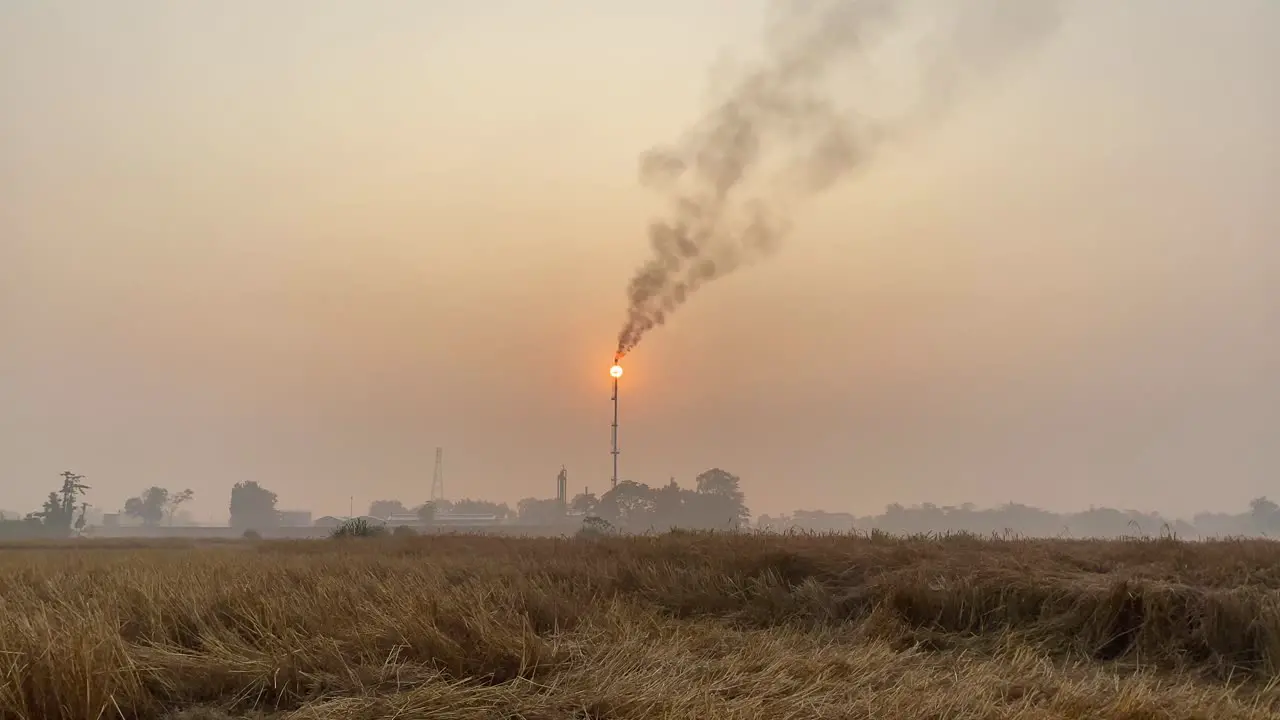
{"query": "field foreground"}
pixel 672 626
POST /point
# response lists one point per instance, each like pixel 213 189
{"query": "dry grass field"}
pixel 672 626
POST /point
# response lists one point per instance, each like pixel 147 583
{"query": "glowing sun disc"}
pixel 616 371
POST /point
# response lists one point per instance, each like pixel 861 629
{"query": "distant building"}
pixel 467 519
pixel 412 520
pixel 403 519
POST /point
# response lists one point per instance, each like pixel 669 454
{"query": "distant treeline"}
pixel 715 502
pixel 1262 518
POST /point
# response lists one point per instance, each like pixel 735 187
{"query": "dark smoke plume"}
pixel 726 208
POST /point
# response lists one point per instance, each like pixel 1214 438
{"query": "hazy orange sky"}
pixel 305 242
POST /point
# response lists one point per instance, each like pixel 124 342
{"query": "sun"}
pixel 616 371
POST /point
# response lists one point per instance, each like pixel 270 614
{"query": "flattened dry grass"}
pixel 672 626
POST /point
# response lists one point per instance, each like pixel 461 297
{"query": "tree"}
pixel 358 528
pixel 668 506
pixel 628 505
pixel 72 488
pixel 177 500
pixel 717 504
pixel 540 512
pixel 156 504
pixel 386 508
pixel 1263 507
pixel 593 526
pixel 710 511
pixel 584 503
pixel 58 513
pixel 1265 514
pixel 725 486
pixel 149 506
pixel 717 482
pixel 481 507
pixel 51 512
pixel 253 507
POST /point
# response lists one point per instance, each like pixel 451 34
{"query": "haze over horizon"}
pixel 304 243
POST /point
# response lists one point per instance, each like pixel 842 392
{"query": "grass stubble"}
pixel 680 625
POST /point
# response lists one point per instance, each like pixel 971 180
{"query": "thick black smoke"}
pixel 778 136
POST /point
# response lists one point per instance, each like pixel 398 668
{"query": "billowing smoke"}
pixel 779 136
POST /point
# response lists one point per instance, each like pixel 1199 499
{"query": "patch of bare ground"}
pixel 671 626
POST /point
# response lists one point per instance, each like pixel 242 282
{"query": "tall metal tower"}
pixel 437 478
pixel 615 372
